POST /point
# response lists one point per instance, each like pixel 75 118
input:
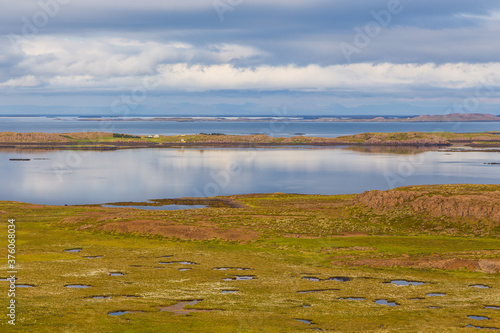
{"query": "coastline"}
pixel 454 117
pixel 113 141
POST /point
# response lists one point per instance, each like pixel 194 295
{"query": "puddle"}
pixel 385 302
pixel 240 278
pixel 122 312
pixel 480 327
pixel 179 308
pixel 177 262
pixel 335 278
pixel 482 286
pixel 339 278
pixel 116 274
pixel 163 207
pixel 435 294
pixel 229 291
pixel 405 283
pixel 315 291
pixel 24 286
pixel 93 257
pixel 310 278
pixel 228 268
pixel 417 299
pixel 169 256
pixel 78 286
pixel 8 279
pixel 130 296
pixel 353 298
pixel 306 306
pixel 434 307
pixel 495 307
pixel 478 317
pixel 100 297
pixel 158 267
pixel 184 269
pixel 306 321
pixel 73 250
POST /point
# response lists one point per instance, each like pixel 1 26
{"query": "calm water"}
pixel 76 177
pixel 272 128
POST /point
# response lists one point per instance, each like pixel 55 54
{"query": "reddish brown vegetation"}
pixel 466 202
pixel 489 266
pixel 172 230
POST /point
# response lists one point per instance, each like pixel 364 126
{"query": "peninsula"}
pixel 109 141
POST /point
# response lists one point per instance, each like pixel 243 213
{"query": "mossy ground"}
pixel 297 238
pixel 102 140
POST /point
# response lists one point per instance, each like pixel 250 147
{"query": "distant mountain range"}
pixel 452 117
pixel 458 117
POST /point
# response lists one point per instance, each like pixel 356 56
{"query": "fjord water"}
pixel 91 177
pixel 276 128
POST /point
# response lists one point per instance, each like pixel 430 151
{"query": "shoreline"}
pixel 454 117
pixel 114 141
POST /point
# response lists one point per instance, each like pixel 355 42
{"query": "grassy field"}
pixel 303 256
pixel 101 140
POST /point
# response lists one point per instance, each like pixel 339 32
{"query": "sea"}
pixel 72 177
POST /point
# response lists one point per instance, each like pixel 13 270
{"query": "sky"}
pixel 249 57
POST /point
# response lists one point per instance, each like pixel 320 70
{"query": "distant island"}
pixel 452 117
pixel 111 141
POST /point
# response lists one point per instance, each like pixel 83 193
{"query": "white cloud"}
pixel 24 81
pixel 108 57
pixel 118 63
pixel 354 76
pixel 359 77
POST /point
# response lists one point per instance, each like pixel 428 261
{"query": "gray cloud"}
pixel 62 46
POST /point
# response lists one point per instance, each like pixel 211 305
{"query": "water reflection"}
pixel 91 177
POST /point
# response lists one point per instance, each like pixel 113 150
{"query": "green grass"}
pixel 269 303
pixel 380 139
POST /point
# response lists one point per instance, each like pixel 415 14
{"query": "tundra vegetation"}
pixel 101 140
pixel 412 259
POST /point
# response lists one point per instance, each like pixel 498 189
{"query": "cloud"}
pixel 430 50
pixel 24 81
pixel 118 63
pixel 49 56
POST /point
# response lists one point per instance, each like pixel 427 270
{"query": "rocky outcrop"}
pixel 450 201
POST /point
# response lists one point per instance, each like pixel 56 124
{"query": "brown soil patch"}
pixel 490 266
pixel 168 229
pixel 352 234
pixel 179 309
pixel 347 234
